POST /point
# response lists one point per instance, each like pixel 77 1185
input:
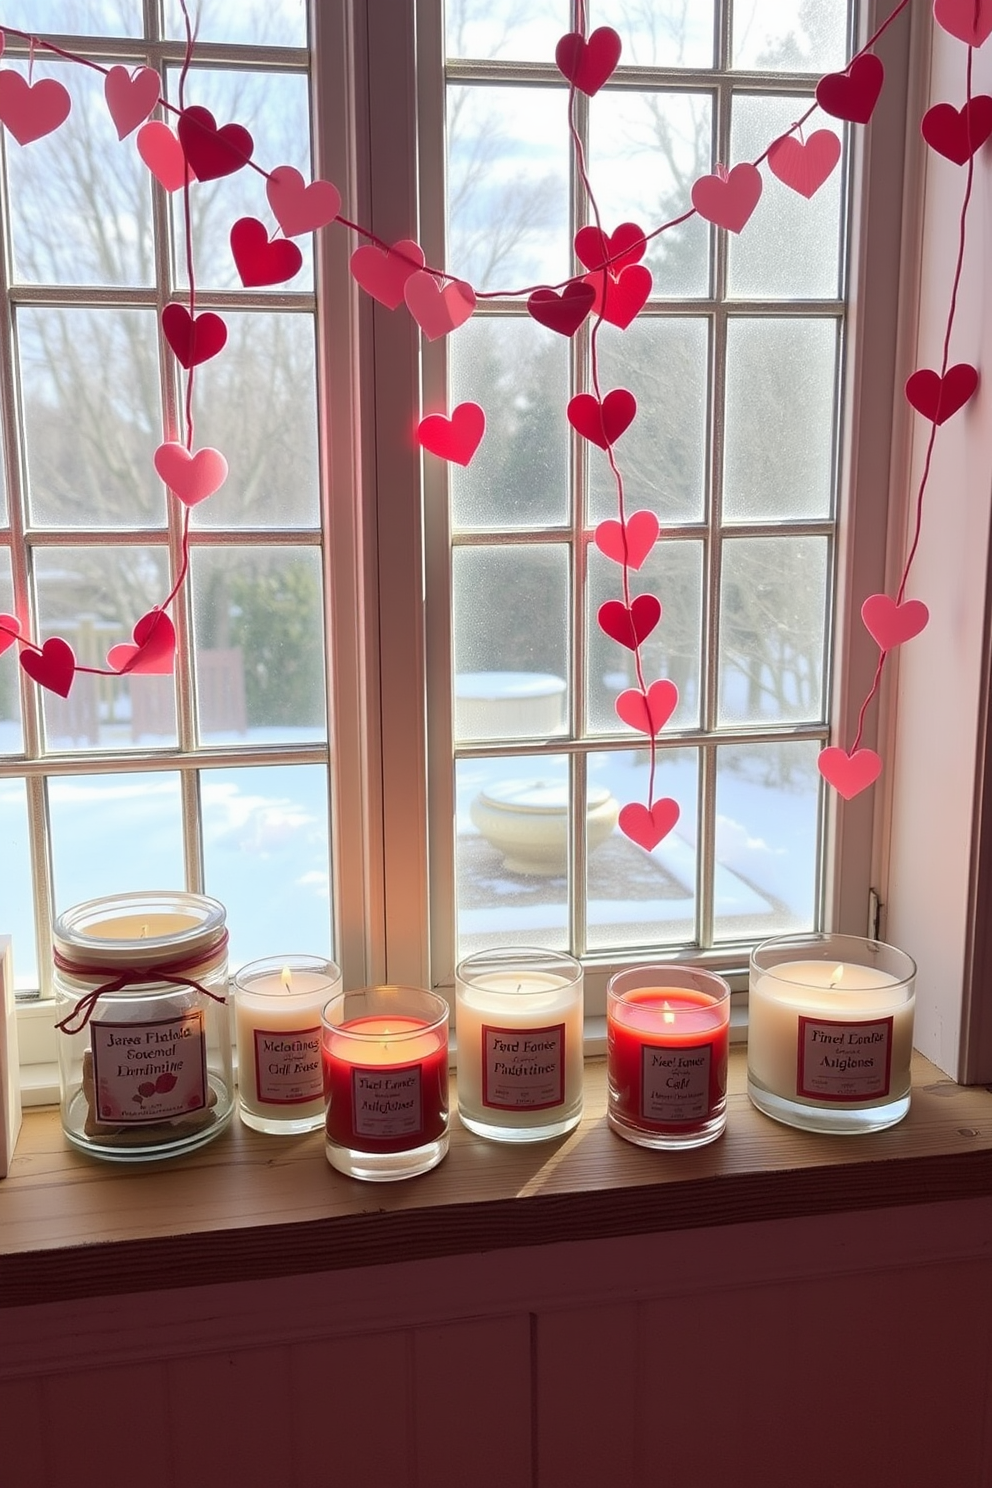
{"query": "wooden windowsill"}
pixel 248 1206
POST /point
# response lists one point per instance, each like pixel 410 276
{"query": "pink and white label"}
pixel 149 1071
pixel 287 1066
pixel 844 1061
pixel 675 1083
pixel 387 1103
pixel 523 1069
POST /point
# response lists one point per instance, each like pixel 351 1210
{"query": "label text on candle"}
pixel 844 1061
pixel 523 1068
pixel 675 1083
pixel 287 1066
pixel 149 1071
pixel 387 1103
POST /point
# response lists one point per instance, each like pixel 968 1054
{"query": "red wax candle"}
pixel 667 1059
pixel 386 1090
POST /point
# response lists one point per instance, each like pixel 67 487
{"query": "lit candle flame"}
pixel 287 979
pixel 838 973
pixel 667 1015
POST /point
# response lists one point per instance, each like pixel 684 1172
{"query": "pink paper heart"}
pixel 602 423
pixel 163 154
pixel 728 201
pixel 648 714
pixel 213 152
pixel 193 340
pixel 626 295
pixel 10 629
pixel 54 666
pixel 630 626
pixel 297 207
pixel 853 94
pixel 588 64
pixel 31 110
pixel 647 826
pixel 969 20
pixel 958 133
pixel 804 167
pixel 383 273
pixel 563 313
pixel 889 624
pixel 260 260
pixel 155 650
pixel 455 438
pixel 937 397
pixel 130 97
pixel 628 544
pixel 624 245
pixel 191 477
pixel 438 311
pixel 849 774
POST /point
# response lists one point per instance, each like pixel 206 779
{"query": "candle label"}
pixel 387 1103
pixel 149 1071
pixel 675 1083
pixel 844 1061
pixel 523 1069
pixel 287 1066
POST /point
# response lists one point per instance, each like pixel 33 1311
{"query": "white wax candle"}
pixel 141 926
pixel 277 1021
pixel 523 1028
pixel 820 1031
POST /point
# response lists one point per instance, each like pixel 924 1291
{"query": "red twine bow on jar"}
pixel 119 979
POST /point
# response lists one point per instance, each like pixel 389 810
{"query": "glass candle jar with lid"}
pixel 144 1038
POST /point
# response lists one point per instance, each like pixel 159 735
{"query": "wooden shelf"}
pixel 249 1206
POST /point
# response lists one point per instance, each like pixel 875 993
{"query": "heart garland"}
pixel 456 438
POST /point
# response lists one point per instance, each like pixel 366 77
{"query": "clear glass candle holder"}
pixel 668 1034
pixel 518 1016
pixel 830 1032
pixel 385 1058
pixel 277 1007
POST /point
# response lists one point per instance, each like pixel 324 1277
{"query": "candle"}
pixel 277 1003
pixel 667 1045
pixel 830 1039
pixel 519 1025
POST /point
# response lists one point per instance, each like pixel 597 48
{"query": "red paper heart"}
pixel 260 260
pixel 958 133
pixel 213 152
pixel 626 295
pixel 383 273
pixel 648 714
pixel 192 477
pixel 889 624
pixel 10 627
pixel 193 341
pixel 130 98
pixel 628 544
pixel 54 666
pixel 588 64
pixel 155 651
pixel 563 313
pixel 849 774
pixel 438 311
pixel 969 20
pixel 629 626
pixel 624 245
pixel 937 397
pixel 647 826
pixel 163 154
pixel 297 207
pixel 852 94
pixel 804 167
pixel 728 201
pixel 455 438
pixel 602 423
pixel 31 110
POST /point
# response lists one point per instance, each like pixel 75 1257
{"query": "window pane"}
pixel 511 862
pixel 790 36
pixel 659 33
pixel 137 821
pixel 507 186
pixel 249 22
pixel 781 379
pixel 92 417
pixel 11 737
pixel 259 659
pixel 265 853
pixel 18 902
pixel 518 372
pixel 773 615
pixel 521 32
pixel 257 403
pixel 646 149
pixel 635 897
pixel 767 803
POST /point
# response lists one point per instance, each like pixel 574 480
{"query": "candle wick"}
pixel 144 932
